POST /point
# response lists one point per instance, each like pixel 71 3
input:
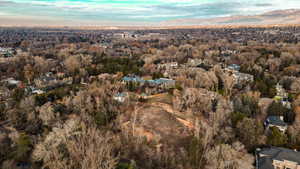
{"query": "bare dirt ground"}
pixel 156 119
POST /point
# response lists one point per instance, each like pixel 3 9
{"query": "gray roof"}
pixel 267 155
pixel 234 67
pixel 275 120
pixel 154 82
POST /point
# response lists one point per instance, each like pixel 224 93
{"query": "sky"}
pixel 137 11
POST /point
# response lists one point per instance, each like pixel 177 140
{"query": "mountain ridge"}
pixel 289 17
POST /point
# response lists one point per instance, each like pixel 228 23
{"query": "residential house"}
pixel 153 36
pixel 162 82
pixel 119 35
pixel 199 63
pixel 242 78
pixel 276 121
pixel 38 91
pixel 67 80
pixel 47 79
pixel 234 67
pixel 227 52
pixel 33 90
pixel 60 75
pixel 168 66
pixel 6 52
pixel 194 62
pixel 239 78
pixel 277 158
pixel 282 96
pixel 11 82
pixel 124 35
pixel 121 97
pixel 133 78
pixel 280 91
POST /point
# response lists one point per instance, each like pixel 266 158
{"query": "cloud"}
pixel 5 3
pixel 263 5
pixel 141 10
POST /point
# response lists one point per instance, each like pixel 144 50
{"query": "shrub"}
pixel 18 94
pixel 23 148
pixel 41 99
pixel 236 117
pixel 178 87
pixel 195 151
pixel 103 118
pixel 249 132
pixel 247 105
pixel 126 166
pixel 276 137
pixel 277 109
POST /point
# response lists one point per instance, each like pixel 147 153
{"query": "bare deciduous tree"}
pixel 47 114
pixel 90 149
pixel 224 156
pixel 72 64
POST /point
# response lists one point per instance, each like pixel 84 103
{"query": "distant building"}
pixel 46 80
pixel 119 35
pixel 234 67
pixel 280 91
pixel 38 91
pixel 241 78
pixel 12 82
pixel 276 121
pixel 282 96
pixel 124 35
pixel 171 65
pixel 194 62
pixel 133 78
pixel 277 158
pixel 228 52
pixel 199 63
pixel 121 97
pixel 6 52
pixel 163 82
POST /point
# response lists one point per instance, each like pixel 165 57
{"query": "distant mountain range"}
pixel 280 17
pixel 273 18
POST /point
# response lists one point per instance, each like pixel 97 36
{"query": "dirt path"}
pixel 178 115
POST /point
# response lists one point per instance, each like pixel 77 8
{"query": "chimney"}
pixel 281 118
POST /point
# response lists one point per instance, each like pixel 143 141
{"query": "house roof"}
pixel 234 67
pixel 275 120
pixel 267 155
pixel 155 81
pixel 204 66
pixel 12 81
pixel 133 79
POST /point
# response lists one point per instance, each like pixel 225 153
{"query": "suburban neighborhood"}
pixel 150 99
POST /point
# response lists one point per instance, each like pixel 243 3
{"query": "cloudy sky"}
pixel 138 11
